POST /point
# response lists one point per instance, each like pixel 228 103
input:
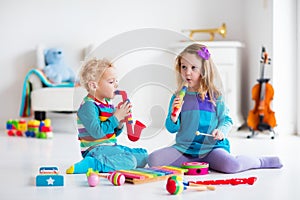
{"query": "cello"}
pixel 262 118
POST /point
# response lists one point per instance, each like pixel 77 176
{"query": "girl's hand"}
pixel 123 111
pixel 176 103
pixel 217 134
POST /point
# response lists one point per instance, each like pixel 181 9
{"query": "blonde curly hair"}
pixel 92 70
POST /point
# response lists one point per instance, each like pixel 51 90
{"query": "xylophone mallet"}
pixel 175 186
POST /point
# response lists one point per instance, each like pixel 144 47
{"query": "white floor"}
pixel 22 157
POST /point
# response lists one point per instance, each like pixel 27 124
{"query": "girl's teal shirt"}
pixel 203 116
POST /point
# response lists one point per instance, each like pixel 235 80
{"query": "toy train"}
pixel 32 128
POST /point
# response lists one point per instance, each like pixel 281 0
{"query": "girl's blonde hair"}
pixel 92 70
pixel 210 81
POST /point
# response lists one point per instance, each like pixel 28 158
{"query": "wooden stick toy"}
pixel 175 185
pixel 115 178
pixel 206 134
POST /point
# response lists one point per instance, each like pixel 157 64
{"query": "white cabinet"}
pixel 227 57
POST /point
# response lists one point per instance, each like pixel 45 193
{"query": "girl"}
pixel 99 123
pixel 202 110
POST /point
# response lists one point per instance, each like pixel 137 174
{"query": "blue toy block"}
pixel 30 134
pixel 9 126
pixel 49 180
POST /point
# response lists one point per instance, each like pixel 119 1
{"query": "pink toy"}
pixel 132 133
pixel 93 178
pixel 195 168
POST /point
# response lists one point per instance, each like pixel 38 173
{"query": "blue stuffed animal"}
pixel 56 70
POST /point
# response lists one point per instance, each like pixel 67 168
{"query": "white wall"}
pixel 258 33
pixel 75 24
pixel 298 66
pixel 285 65
pixel 272 24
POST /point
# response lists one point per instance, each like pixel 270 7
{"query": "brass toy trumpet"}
pixel 221 30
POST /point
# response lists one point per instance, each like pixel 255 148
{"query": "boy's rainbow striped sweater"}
pixel 96 124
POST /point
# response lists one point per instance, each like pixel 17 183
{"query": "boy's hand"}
pixel 123 111
pixel 177 103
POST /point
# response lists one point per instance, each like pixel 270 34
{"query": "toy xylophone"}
pixel 147 175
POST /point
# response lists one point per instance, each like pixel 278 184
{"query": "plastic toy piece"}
pixel 181 95
pixel 45 129
pixel 32 128
pixel 232 181
pixel 132 133
pixel 16 127
pixel 195 168
pixel 93 177
pixel 49 176
pixel 116 178
pixel 49 170
pixel 175 185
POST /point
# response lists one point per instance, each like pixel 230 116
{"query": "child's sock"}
pixel 270 162
pixel 82 166
pixel 70 170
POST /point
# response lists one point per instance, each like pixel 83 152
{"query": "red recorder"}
pixel 232 181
